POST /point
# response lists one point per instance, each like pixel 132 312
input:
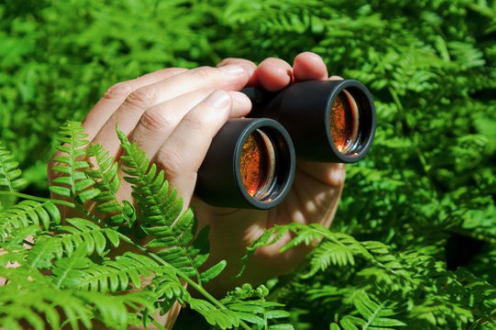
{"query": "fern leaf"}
pixel 108 183
pixel 250 305
pixel 213 271
pixel 42 253
pixel 223 318
pixel 36 302
pixel 327 254
pixel 15 241
pixel 374 315
pixel 27 213
pixel 167 289
pixel 86 232
pixel 115 275
pixel 72 182
pixel 159 211
pixel 67 272
pixel 10 174
pixel 269 237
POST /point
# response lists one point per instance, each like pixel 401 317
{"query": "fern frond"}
pixel 327 254
pixel 374 315
pixel 10 174
pixel 167 288
pixel 250 305
pixel 86 232
pixel 72 182
pixel 108 183
pixel 335 248
pixel 68 271
pixel 223 318
pixel 115 275
pixel 158 206
pixel 269 237
pixel 15 242
pixel 27 213
pixel 41 255
pixel 159 211
pixel 35 301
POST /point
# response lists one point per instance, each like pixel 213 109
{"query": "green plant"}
pixel 426 190
pixel 66 270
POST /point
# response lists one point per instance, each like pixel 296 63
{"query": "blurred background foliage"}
pixel 429 182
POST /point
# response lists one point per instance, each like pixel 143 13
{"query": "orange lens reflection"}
pixel 344 122
pixel 257 164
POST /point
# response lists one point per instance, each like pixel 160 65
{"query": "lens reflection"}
pixel 344 123
pixel 258 164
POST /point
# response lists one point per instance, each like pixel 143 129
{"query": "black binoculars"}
pixel 251 161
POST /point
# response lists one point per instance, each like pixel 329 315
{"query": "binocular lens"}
pixel 250 164
pixel 258 164
pixel 345 123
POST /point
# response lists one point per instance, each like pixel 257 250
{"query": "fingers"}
pixel 158 122
pixel 330 174
pixel 183 152
pixel 309 66
pixel 116 94
pixel 230 77
pixel 274 74
pixel 249 66
pixel 318 188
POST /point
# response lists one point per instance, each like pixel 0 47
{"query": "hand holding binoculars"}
pixel 251 161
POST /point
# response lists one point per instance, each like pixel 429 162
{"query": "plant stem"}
pixel 38 199
pixel 157 324
pixel 195 285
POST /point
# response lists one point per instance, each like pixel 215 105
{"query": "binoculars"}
pixel 251 161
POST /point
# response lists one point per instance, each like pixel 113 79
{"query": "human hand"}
pixel 173 114
pixel 313 197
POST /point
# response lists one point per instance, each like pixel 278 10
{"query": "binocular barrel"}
pixel 250 164
pixel 251 161
pixel 328 121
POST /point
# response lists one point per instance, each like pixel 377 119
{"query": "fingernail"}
pixel 232 69
pixel 218 99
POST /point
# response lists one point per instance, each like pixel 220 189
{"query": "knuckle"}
pixel 171 162
pixel 142 98
pixel 155 121
pixel 203 73
pixel 121 89
pixel 196 123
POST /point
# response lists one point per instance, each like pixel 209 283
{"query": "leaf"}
pixel 10 174
pixel 27 213
pixel 72 182
pixel 159 211
pixel 213 271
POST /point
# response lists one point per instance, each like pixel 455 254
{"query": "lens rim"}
pixel 367 119
pixel 286 162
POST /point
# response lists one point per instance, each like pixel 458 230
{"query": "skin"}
pixel 173 114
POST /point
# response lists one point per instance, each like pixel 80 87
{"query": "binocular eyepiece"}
pixel 251 161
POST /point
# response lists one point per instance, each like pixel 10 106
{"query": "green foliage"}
pixel 10 174
pixel 414 236
pixel 27 213
pixel 160 214
pixel 108 183
pixel 73 274
pixel 250 305
pixel 374 315
pixel 72 182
